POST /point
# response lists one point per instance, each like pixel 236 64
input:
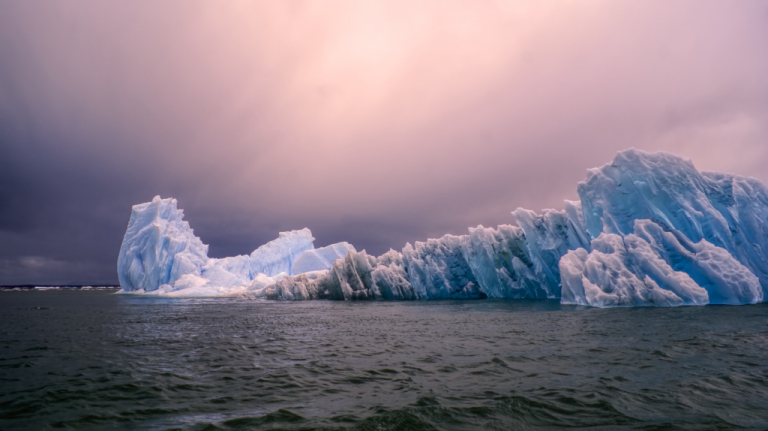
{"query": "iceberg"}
pixel 161 255
pixel 649 230
pixel 158 247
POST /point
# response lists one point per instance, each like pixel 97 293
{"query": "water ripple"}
pixel 93 360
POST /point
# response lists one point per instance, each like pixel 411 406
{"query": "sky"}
pixel 376 123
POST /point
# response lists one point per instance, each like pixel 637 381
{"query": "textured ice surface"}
pixel 158 247
pixel 485 263
pixel 728 211
pixel 161 255
pixel 649 230
pixel 654 267
pixel 625 271
pixel 356 276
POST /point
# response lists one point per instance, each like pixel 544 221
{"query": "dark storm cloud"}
pixel 374 123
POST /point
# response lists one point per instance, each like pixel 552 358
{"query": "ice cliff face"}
pixel 711 226
pixel 649 230
pixel 158 247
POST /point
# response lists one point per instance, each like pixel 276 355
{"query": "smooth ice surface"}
pixel 278 255
pixel 649 230
pixel 320 258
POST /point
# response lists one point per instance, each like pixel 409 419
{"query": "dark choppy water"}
pixel 95 360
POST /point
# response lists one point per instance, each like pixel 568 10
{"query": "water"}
pixel 95 360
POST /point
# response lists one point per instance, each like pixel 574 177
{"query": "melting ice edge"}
pixel 649 230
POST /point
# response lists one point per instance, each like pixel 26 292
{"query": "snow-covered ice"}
pixel 649 230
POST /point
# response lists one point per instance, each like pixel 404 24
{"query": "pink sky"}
pixel 371 122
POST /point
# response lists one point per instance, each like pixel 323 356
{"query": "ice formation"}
pixel 320 258
pixel 161 255
pixel 710 227
pixel 649 230
pixel 158 247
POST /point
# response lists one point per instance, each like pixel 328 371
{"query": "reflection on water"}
pixel 88 359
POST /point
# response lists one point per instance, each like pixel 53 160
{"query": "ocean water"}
pixel 96 360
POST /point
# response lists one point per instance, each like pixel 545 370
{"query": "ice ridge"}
pixel 649 230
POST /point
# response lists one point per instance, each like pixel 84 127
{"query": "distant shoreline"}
pixel 59 286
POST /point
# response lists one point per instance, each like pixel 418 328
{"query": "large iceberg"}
pixel 648 230
pixel 161 255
